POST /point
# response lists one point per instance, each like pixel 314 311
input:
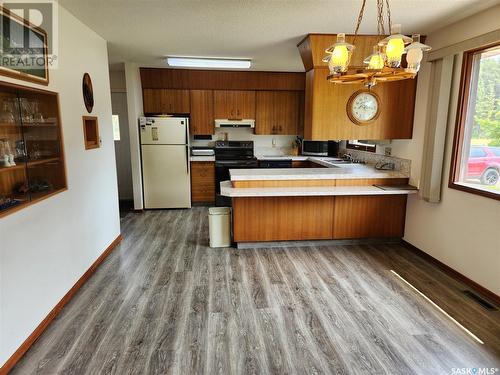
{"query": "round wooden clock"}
pixel 88 92
pixel 363 107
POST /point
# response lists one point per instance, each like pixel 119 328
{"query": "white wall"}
pixel 46 248
pixel 134 104
pixel 462 230
pixel 122 147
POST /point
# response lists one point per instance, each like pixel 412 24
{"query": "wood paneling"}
pixel 282 218
pixel 369 216
pixel 160 78
pixel 277 112
pixel 201 119
pixel 326 116
pixel 163 101
pixel 313 182
pixel 372 181
pixel 202 181
pixel 234 104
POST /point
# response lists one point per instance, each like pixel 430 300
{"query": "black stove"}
pixel 231 155
pixel 234 150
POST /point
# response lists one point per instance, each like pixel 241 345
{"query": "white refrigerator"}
pixel 165 162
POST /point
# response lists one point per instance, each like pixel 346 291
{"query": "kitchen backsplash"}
pixel 403 165
pixel 263 144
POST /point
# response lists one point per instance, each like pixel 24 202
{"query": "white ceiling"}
pixel 266 31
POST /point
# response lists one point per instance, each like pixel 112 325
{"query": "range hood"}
pixel 227 123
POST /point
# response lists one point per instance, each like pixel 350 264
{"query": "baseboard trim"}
pixel 307 243
pixel 18 354
pixel 453 273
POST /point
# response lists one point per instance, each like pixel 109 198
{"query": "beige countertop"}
pixel 228 191
pixel 338 172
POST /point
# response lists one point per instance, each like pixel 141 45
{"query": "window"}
pixel 477 152
pixel 475 164
pixel 116 127
pixel 361 145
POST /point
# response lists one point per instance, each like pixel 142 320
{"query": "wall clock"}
pixel 363 107
pixel 88 92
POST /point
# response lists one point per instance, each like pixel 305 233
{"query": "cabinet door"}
pixel 202 181
pixel 234 104
pixel 224 104
pixel 202 112
pixel 286 107
pixel 165 101
pixel 245 104
pixel 264 113
pixel 277 112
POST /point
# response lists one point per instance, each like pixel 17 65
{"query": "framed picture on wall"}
pixel 23 49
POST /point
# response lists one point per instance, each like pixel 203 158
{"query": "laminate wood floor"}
pixel 165 303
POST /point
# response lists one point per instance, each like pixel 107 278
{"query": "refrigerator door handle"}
pixel 187 159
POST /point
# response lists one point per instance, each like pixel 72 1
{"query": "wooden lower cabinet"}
pixel 282 218
pixel 318 218
pixel 202 181
pixel 372 216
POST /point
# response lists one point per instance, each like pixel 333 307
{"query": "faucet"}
pixel 347 157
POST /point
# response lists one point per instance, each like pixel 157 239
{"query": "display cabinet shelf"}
pixel 12 169
pixel 33 163
pixel 30 138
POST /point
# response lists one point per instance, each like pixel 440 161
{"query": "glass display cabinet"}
pixel 31 150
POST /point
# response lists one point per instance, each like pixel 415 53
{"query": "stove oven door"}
pixel 222 168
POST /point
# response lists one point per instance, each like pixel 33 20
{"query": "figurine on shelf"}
pixel 21 155
pixel 4 154
pixel 8 111
pixel 8 151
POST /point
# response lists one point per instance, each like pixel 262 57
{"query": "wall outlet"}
pixel 387 151
pixel 273 142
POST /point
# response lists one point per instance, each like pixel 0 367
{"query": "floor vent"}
pixel 480 300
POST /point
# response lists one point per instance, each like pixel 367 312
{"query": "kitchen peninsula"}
pixel 342 201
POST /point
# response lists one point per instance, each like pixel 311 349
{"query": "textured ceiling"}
pixel 265 31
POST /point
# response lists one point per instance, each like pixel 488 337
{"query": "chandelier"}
pixel 384 64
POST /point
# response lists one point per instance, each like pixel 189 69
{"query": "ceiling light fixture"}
pixel 384 64
pixel 200 62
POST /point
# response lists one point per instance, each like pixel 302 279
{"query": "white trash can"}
pixel 219 225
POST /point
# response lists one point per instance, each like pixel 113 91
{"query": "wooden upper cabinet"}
pixel 234 104
pixel 325 112
pixel 166 101
pixel 326 109
pixel 202 112
pixel 278 112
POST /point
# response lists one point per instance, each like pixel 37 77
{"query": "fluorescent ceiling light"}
pixel 194 62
